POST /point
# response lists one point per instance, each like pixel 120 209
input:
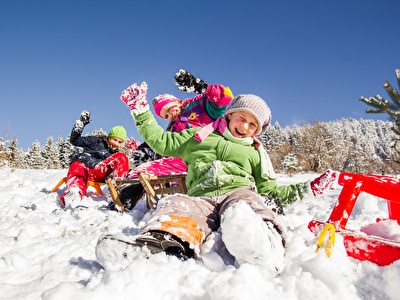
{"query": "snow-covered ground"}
pixel 49 253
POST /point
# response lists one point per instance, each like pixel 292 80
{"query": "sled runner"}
pixel 154 186
pixel 358 244
pixel 155 179
pixel 96 185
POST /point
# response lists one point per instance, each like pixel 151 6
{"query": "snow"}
pixel 49 253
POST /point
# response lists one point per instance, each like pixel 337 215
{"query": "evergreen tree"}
pixel 16 156
pixel 50 154
pixel 3 153
pixel 390 107
pixel 65 152
pixel 33 158
pixel 290 163
pixel 12 151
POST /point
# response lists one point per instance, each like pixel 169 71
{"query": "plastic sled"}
pixel 358 244
pixel 159 178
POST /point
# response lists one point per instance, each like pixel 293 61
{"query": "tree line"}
pixel 347 145
pixel 358 146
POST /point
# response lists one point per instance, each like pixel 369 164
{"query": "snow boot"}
pixel 130 195
pixel 158 241
pixel 70 198
pixel 117 251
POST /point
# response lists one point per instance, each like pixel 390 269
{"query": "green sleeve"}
pixel 286 194
pixel 163 142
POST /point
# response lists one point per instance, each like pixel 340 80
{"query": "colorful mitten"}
pixel 135 97
pixel 324 182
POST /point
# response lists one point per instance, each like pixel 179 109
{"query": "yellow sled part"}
pixel 330 241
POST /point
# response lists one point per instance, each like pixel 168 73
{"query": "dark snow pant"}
pixel 192 219
pixel 79 174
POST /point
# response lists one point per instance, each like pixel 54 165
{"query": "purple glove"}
pixel 135 97
pixel 324 182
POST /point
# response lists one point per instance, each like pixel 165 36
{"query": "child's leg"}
pixel 252 240
pixel 191 219
pixel 77 177
pixel 255 201
pixel 117 165
pixel 251 231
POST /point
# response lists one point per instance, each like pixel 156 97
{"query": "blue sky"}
pixel 310 60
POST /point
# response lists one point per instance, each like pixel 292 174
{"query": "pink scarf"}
pixel 219 124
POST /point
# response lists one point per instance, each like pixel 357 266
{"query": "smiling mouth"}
pixel 239 133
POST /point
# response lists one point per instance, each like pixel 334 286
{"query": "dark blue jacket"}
pixel 89 150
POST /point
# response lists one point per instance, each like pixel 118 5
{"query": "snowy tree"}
pixel 290 163
pixel 16 156
pixel 390 107
pixel 50 154
pixel 276 142
pixel 360 146
pixel 33 158
pixel 315 146
pixel 341 144
pixel 65 152
pixel 97 132
pixel 3 153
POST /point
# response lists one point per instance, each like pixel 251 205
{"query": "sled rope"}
pixel 330 240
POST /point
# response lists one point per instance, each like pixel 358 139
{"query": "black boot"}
pixel 158 241
pixel 130 195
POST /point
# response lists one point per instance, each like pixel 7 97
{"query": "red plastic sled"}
pixel 358 244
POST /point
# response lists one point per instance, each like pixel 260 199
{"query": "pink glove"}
pixel 324 182
pixel 135 97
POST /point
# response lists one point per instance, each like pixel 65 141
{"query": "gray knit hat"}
pixel 253 105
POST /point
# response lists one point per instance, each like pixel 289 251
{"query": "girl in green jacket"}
pixel 228 171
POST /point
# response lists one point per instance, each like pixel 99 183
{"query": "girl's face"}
pixel 242 124
pixel 114 142
pixel 173 113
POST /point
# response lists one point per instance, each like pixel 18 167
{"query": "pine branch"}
pixel 381 105
pixel 393 94
pixel 392 108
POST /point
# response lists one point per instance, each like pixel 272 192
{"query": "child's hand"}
pixel 135 97
pixel 85 117
pixel 189 83
pixel 324 182
pixel 131 144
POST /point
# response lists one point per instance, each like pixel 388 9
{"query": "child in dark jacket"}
pixel 228 171
pixel 95 158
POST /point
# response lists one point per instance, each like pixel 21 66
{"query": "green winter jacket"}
pixel 216 165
